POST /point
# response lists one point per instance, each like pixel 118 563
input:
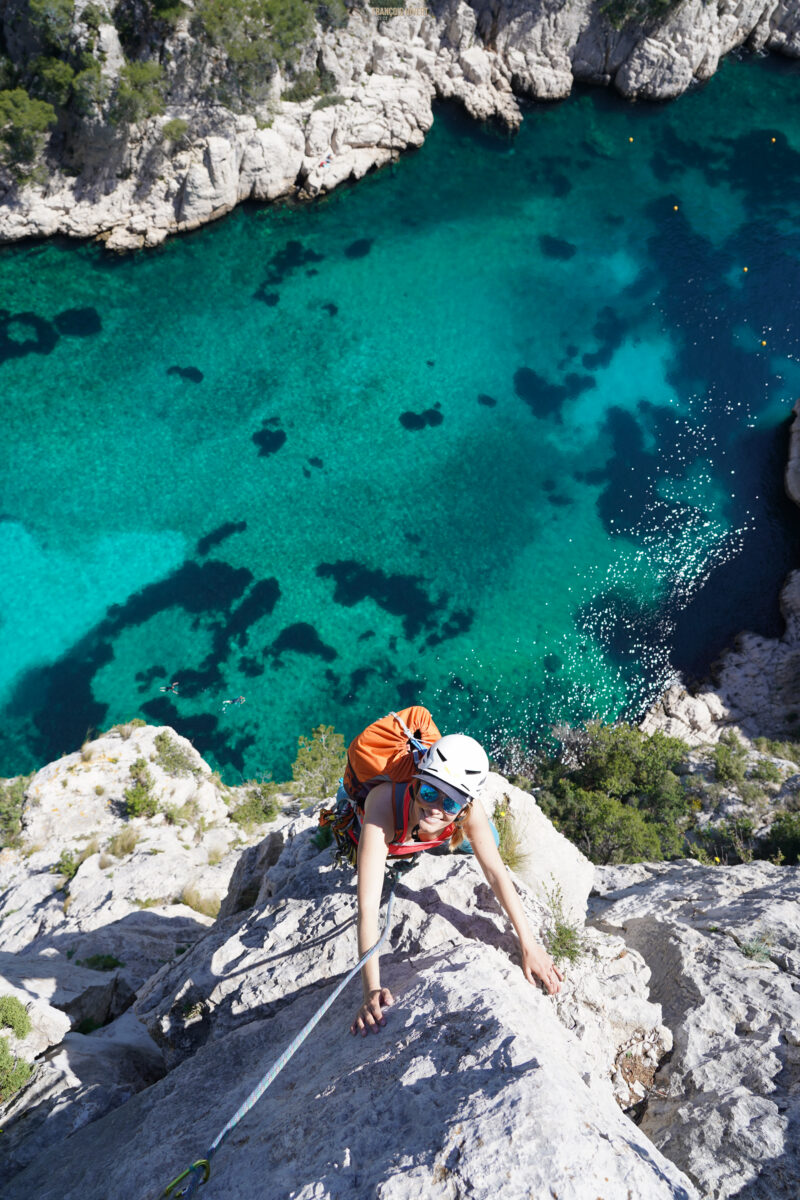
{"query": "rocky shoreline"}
pixel 132 189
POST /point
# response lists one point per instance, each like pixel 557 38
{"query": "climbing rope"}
pixel 200 1170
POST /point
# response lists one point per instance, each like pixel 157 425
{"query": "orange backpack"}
pixel 388 749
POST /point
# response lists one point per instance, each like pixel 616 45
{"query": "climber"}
pixel 439 806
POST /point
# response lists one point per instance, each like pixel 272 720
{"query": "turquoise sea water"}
pixel 500 429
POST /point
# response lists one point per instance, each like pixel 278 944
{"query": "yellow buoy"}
pixel 630 139
pixel 744 269
pixel 763 343
pixel 674 208
pixel 773 139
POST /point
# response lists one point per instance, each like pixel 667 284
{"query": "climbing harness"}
pixel 202 1167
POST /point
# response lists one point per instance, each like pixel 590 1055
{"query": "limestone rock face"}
pixel 479 1074
pixel 548 859
pixel 723 946
pixel 133 189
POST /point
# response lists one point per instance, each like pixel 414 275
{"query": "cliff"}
pixel 664 1069
pixel 113 172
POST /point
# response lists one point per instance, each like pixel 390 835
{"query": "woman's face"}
pixel 432 817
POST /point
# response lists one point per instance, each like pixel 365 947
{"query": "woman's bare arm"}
pixel 376 834
pixel 537 965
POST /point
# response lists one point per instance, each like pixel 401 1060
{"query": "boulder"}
pixel 83 1080
pixel 723 946
pixel 547 859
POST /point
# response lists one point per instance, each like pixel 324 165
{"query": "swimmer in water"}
pixel 173 687
pixel 236 700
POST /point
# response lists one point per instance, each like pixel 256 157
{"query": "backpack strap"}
pixel 401 805
pixel 417 747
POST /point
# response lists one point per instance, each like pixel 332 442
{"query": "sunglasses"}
pixel 431 795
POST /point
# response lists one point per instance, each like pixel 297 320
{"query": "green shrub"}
pixel 256 35
pixel 13 1072
pixel 605 829
pixel 258 806
pixel 52 80
pixel 787 750
pixel 100 962
pixel 306 85
pixel 12 798
pixel 784 838
pixel 138 93
pixel 174 130
pixel 562 937
pixel 67 865
pixel 730 759
pixel 171 757
pixel 89 92
pixel 320 763
pixel 622 12
pixel 329 101
pixel 140 799
pixel 51 21
pixel 767 771
pixel 14 1016
pixel 23 123
pixel 728 841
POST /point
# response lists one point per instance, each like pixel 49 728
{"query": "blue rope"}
pixel 200 1170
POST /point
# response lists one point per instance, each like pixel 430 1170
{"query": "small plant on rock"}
pixel 730 759
pixel 758 948
pixel 191 896
pixel 12 798
pixel 259 804
pixel 14 1016
pixel 13 1071
pixel 140 798
pixel 562 938
pixel 510 846
pixel 100 962
pixel 123 843
pixel 171 757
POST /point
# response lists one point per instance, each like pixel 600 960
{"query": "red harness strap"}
pixel 401 802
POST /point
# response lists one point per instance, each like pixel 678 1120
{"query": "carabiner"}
pixel 201 1162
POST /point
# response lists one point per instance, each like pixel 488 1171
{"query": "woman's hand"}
pixel 370 1015
pixel 538 967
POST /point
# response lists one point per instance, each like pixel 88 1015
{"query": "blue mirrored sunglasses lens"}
pixel 431 795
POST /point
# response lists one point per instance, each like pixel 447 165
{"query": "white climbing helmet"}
pixel 457 765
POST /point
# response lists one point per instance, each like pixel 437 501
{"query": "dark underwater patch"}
pixel 192 374
pixel 259 602
pixel 301 638
pixel 78 322
pixel 627 629
pixel 559 501
pixel 43 337
pixel 250 666
pixel 403 596
pixel 265 296
pixel 458 622
pixel 609 329
pixel 316 462
pixel 553 247
pixel 220 534
pixel 359 249
pixel 552 663
pixel 269 440
pixel 487 401
pixel 287 260
pixel 331 308
pixel 546 399
pixel 412 420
